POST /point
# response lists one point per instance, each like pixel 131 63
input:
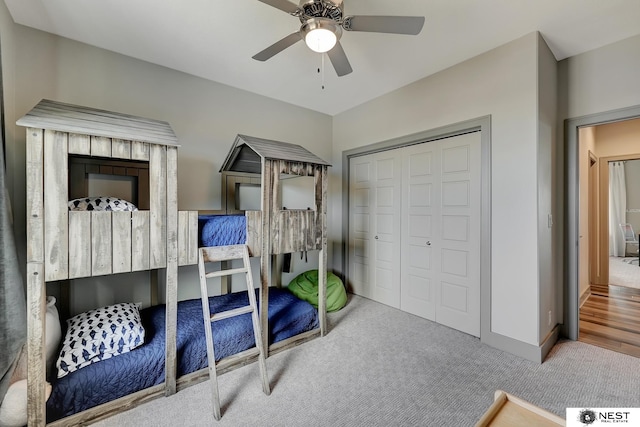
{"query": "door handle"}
pixel 428 243
pixel 376 237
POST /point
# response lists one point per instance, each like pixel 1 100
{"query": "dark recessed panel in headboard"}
pixel 81 167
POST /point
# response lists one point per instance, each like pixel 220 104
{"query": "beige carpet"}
pixel 623 272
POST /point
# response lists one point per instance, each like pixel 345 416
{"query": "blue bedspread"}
pixel 222 230
pixel 143 367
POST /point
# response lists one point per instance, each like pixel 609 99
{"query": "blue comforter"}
pixel 143 367
pixel 222 230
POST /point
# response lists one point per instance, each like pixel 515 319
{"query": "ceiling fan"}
pixel 322 24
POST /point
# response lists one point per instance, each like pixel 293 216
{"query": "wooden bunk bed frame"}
pixel 274 230
pixel 63 245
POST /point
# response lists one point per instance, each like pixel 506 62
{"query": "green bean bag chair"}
pixel 305 287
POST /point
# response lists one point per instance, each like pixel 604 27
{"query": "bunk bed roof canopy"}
pixel 63 117
pixel 247 153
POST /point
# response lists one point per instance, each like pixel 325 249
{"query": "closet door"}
pixel 441 231
pixel 414 229
pixel 386 227
pixel 361 211
pixel 374 232
pixel 420 218
pixel 458 286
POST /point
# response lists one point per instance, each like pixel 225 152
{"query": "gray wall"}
pixel 600 80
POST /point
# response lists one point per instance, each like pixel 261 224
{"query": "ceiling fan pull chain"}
pixel 321 70
pixel 322 55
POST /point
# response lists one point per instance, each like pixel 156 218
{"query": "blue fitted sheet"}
pixel 143 367
pixel 221 230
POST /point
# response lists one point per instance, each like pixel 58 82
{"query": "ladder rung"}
pixel 231 313
pixel 223 253
pixel 227 272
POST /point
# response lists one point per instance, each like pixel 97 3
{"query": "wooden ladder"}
pixel 218 254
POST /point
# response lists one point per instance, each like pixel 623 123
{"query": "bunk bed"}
pixel 65 143
pixel 143 367
pixel 274 230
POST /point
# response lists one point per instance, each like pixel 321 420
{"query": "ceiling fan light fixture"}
pixel 320 40
pixel 321 34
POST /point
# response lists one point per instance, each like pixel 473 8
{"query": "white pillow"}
pixel 101 203
pixel 98 335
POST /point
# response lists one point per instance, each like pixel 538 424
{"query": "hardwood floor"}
pixel 610 318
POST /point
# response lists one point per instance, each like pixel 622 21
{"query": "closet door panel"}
pixel 386 227
pixel 374 226
pixel 419 221
pixel 360 225
pixel 458 290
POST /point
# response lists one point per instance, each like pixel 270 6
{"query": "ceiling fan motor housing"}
pixel 320 9
pixel 321 23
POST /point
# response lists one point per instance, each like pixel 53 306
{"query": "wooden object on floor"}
pixel 609 319
pixel 508 410
pixel 220 254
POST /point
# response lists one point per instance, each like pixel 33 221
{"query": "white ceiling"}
pixel 215 39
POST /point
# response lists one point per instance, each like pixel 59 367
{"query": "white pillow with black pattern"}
pixel 101 203
pixel 98 335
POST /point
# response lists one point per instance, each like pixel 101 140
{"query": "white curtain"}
pixel 617 208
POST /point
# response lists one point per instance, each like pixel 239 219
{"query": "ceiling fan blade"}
pixel 385 24
pixel 339 60
pixel 283 5
pixel 278 47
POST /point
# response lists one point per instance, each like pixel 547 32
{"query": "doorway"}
pixel 608 307
pixel 623 219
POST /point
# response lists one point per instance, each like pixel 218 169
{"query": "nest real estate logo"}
pixel 580 417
